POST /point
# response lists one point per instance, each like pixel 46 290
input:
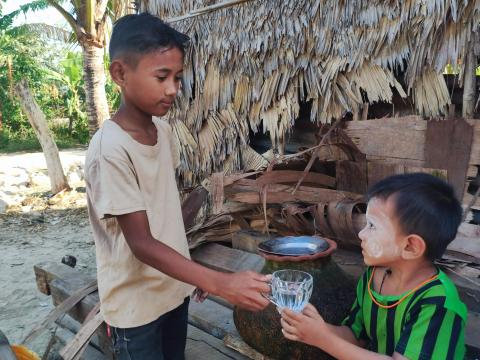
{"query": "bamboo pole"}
pixel 206 10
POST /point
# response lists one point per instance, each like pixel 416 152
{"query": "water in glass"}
pixel 291 289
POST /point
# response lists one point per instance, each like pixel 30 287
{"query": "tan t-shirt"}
pixel 124 176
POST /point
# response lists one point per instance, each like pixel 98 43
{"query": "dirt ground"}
pixel 39 228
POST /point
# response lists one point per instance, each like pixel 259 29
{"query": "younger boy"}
pixel 143 263
pixel 406 307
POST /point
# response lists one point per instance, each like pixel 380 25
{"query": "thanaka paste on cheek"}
pixel 383 243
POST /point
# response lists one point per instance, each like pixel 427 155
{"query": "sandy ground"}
pixel 40 228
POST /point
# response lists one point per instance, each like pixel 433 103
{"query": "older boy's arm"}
pixel 243 289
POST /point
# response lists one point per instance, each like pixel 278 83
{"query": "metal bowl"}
pixel 294 246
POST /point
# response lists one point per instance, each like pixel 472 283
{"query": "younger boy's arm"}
pixel 339 341
pixel 243 289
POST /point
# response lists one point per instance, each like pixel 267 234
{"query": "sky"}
pixel 48 16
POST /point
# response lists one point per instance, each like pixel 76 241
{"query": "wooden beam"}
pixel 211 317
pixel 224 259
pixel 201 345
pixel 234 341
pixel 47 271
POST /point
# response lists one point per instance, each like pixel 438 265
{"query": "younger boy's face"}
pixel 382 236
pixel 154 82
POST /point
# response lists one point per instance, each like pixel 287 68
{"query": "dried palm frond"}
pixel 431 94
pixel 252 160
pixel 251 64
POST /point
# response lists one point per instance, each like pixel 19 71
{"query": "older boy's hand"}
pixel 305 326
pixel 199 295
pixel 245 289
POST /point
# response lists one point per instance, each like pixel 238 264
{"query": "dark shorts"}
pixel 162 339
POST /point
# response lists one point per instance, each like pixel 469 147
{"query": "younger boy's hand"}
pixel 199 295
pixel 245 289
pixel 304 327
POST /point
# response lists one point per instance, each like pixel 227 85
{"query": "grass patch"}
pixel 11 144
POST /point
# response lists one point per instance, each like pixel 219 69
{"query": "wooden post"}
pixel 365 111
pixel 469 84
pixel 36 117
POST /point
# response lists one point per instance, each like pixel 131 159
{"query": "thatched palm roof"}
pixel 251 65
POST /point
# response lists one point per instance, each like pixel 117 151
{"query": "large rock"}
pixel 8 199
pixel 17 177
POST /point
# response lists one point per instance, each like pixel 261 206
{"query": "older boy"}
pixel 143 263
pixel 406 307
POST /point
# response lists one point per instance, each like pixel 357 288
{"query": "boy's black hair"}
pixel 424 205
pixel 138 34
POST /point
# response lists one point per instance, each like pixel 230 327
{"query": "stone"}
pixel 3 206
pixel 17 177
pixel 8 199
pixel 39 179
pixel 73 178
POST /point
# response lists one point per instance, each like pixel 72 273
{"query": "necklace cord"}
pixel 369 288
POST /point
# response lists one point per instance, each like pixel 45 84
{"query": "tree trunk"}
pixel 94 76
pixel 36 117
pixel 469 84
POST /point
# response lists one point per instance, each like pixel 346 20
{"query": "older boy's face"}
pixel 381 237
pixel 154 83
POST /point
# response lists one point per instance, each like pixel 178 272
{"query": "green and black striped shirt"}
pixel 428 324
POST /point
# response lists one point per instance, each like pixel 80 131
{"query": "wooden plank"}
pixel 211 317
pixel 217 195
pixel 398 138
pixel 378 170
pixel 201 345
pixel 217 321
pixel 192 204
pixel 82 337
pixel 64 335
pixel 447 145
pixel 68 323
pixel 472 333
pixel 248 240
pixel 235 342
pixel 45 272
pixel 467 240
pixel 225 259
pixel 351 176
pixel 310 196
pixel 292 176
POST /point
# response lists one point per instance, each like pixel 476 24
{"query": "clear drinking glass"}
pixel 291 289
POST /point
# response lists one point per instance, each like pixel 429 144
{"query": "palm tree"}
pixel 89 20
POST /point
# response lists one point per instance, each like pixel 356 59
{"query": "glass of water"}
pixel 291 289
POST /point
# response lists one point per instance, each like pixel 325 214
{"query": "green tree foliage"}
pixel 54 70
